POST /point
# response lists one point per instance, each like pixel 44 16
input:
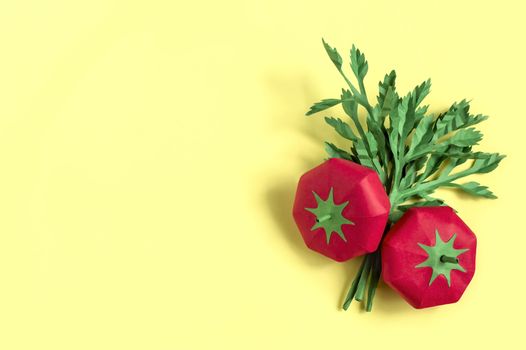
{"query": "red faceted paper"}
pixel 428 256
pixel 364 205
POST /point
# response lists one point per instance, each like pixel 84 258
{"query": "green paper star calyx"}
pixel 442 258
pixel 329 216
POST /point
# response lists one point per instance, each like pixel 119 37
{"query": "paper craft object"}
pixel 341 209
pixel 428 256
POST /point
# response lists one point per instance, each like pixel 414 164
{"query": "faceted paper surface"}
pixel 364 214
pixel 407 256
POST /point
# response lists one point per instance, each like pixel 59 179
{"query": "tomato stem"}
pixel 323 218
pixel 448 259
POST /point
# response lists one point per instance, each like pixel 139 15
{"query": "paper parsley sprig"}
pixel 413 152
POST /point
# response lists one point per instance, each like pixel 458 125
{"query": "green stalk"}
pixel 397 177
pixel 367 278
pixel 448 259
pixel 360 291
pixel 375 278
pixel 352 291
pixel 360 93
pixel 364 95
pixel 324 218
pixel 429 185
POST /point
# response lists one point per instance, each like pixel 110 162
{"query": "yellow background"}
pixel 149 155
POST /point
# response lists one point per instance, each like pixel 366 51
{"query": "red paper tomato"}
pixel 428 256
pixel 341 209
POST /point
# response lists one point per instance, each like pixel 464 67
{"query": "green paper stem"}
pixel 448 259
pixel 360 291
pixel 376 269
pixel 367 277
pixel 323 218
pixel 354 286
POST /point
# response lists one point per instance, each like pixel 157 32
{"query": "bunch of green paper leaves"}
pixel 413 152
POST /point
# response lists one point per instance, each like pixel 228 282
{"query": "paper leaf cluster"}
pixel 413 151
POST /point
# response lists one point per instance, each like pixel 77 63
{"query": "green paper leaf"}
pixel 426 203
pixel 363 154
pixel 456 118
pixel 473 188
pixel 465 138
pixel 455 156
pixel 359 65
pixel 407 116
pixel 335 152
pixel 384 86
pixel 373 146
pixel 342 128
pixel 379 132
pixel 393 132
pixel 423 134
pixel 408 178
pixel 333 55
pixel 387 105
pixel 373 151
pixel 349 104
pixel 485 164
pixel 323 105
pixel 420 92
pixel 473 120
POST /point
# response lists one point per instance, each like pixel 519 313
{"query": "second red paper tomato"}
pixel 428 256
pixel 341 209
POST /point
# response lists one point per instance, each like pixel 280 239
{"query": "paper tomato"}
pixel 341 209
pixel 428 256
